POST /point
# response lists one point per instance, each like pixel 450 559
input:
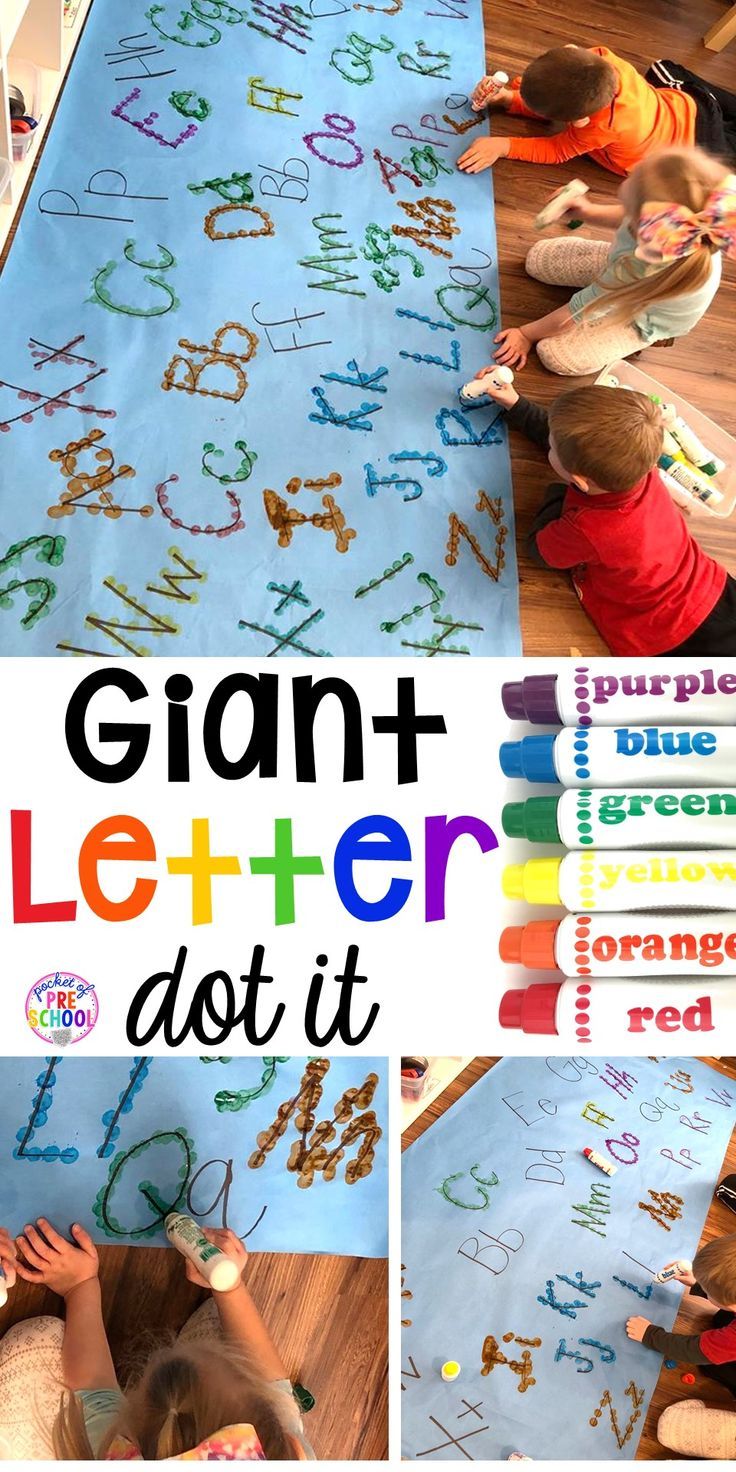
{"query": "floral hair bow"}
pixel 667 232
pixel 232 1444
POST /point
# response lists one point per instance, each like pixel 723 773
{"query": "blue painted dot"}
pixel 583 772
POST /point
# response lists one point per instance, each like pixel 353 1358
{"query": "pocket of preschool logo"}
pixel 62 1008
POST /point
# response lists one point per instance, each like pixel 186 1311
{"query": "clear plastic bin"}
pixel 710 433
pixel 413 1088
pixel 25 75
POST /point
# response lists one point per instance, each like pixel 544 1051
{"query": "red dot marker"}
pixel 688 1379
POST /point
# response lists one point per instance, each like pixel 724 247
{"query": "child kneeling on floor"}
pixel 641 577
pixel 219 1393
pixel 675 216
pixel 713 1277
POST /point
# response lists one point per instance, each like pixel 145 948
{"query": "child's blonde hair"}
pixel 184 1394
pixel 685 176
pixel 714 1268
pixel 611 437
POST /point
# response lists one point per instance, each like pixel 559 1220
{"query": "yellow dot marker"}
pixel 450 1370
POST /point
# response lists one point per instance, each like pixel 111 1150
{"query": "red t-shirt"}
pixel 720 1344
pixel 640 576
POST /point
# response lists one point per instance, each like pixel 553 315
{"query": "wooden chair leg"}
pixel 722 32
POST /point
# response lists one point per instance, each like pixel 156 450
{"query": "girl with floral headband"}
pixel 674 219
pixel 219 1393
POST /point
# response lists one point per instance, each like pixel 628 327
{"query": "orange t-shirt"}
pixel 640 117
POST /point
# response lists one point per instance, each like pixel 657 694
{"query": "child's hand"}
pixel 49 1259
pixel 8 1256
pixel 227 1242
pixel 687 1277
pixel 503 393
pixel 499 96
pixel 637 1327
pixel 514 348
pixel 483 154
pixel 578 209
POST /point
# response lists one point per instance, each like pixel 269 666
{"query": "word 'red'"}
pixel 697 1018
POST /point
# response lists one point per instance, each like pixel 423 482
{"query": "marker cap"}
pixel 537 881
pixel 512 700
pixel 532 757
pixel 509 756
pixel 531 945
pixel 537 758
pixel 224 1275
pixel 535 819
pixel 532 1009
pixel 539 700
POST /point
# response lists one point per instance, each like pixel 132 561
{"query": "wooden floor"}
pixel 702 367
pixel 327 1315
pixel 719 1222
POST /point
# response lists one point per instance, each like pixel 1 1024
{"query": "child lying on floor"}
pixel 641 577
pixel 713 1277
pixel 612 112
pixel 219 1393
pixel 675 216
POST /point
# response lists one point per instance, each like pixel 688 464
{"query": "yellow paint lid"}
pixel 537 881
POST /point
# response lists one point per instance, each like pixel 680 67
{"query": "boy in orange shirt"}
pixel 611 111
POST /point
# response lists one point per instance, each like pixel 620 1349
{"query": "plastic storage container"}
pixel 413 1088
pixel 709 432
pixel 25 75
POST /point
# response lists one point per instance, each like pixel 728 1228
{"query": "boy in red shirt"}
pixel 611 111
pixel 714 1351
pixel 641 577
